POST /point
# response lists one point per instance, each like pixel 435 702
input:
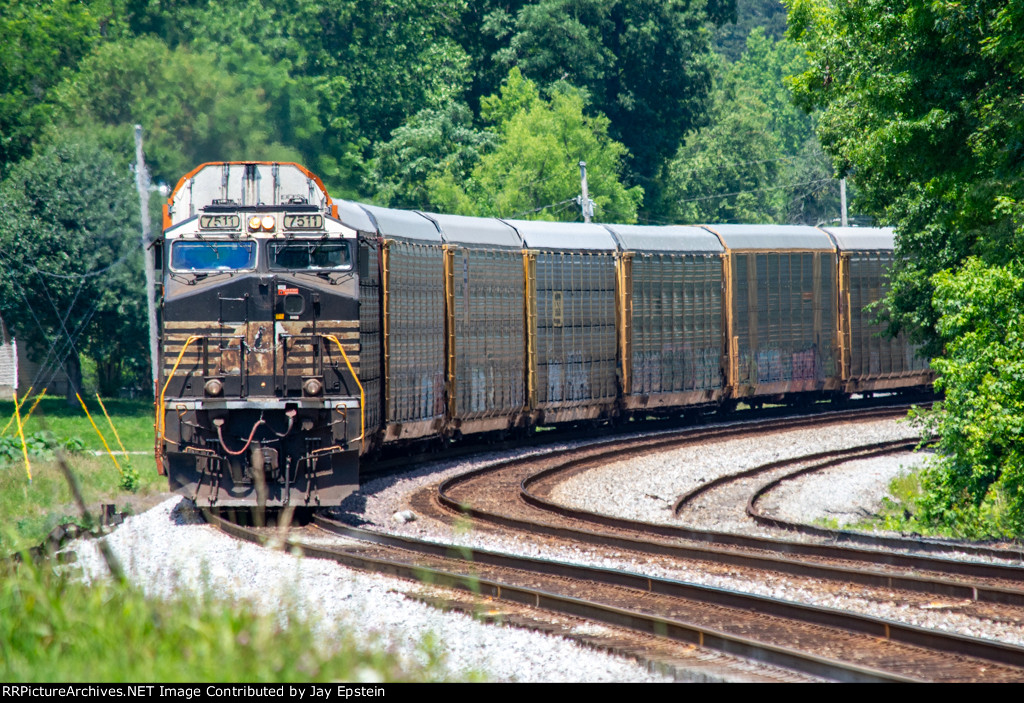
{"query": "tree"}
pixel 42 42
pixel 974 486
pixel 533 171
pixel 924 105
pixel 431 143
pixel 71 276
pixel 361 68
pixel 192 111
pixel 759 159
pixel 645 64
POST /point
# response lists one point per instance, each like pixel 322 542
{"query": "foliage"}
pixel 355 71
pixel 42 43
pixel 924 104
pixel 38 444
pixel 192 110
pixel 431 143
pixel 976 484
pixel 58 629
pixel 68 218
pixel 533 172
pixel 644 63
pixel 758 160
pixel 730 39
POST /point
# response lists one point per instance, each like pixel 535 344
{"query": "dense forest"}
pixel 685 111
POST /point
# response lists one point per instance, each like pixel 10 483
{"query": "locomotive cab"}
pixel 259 400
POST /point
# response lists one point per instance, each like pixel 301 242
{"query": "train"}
pixel 301 335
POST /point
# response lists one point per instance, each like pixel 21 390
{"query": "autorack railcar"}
pixel 301 333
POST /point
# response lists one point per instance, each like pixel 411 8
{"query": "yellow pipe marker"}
pixel 111 423
pixel 102 439
pixel 33 408
pixel 8 425
pixel 21 435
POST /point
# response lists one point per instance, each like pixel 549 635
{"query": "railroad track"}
pixel 815 641
pixel 820 642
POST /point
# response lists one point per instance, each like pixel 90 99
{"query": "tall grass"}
pixel 30 509
pixel 57 629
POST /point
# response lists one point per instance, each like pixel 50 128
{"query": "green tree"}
pixel 533 171
pixel 431 143
pixel 361 68
pixel 759 159
pixel 924 105
pixel 644 63
pixel 976 484
pixel 42 42
pixel 68 230
pixel 191 110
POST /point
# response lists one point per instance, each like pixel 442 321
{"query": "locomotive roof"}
pixel 674 238
pixel 459 229
pixel 575 236
pixel 863 238
pixel 244 184
pixel 772 237
pixel 404 224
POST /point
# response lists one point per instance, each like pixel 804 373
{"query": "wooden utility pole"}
pixel 142 184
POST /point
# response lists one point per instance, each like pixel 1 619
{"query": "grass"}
pixel 57 629
pixel 30 509
pixel 132 418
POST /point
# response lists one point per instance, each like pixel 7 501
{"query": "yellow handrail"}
pixel 160 419
pixel 362 395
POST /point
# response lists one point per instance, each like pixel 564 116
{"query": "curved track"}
pixel 511 495
pixel 816 641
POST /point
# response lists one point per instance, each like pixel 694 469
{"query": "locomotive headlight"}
pixel 254 223
pixel 267 222
pixel 312 386
pixel 214 387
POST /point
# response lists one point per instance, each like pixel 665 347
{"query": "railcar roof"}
pixel 404 224
pixel 863 238
pixel 571 236
pixel 672 238
pixel 772 237
pixel 354 216
pixel 459 229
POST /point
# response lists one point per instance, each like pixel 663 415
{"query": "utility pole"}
pixel 586 204
pixel 142 184
pixel 842 202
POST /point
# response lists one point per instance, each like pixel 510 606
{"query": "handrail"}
pixel 160 411
pixel 362 394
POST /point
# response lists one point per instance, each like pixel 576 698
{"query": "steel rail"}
pixel 823 622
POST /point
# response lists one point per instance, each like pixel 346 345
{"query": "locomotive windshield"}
pixel 213 256
pixel 310 255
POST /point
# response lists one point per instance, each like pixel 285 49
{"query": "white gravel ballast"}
pixel 166 552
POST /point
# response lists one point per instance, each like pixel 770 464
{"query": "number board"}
pixel 219 222
pixel 303 221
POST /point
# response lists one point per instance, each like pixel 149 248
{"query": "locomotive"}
pixel 300 333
